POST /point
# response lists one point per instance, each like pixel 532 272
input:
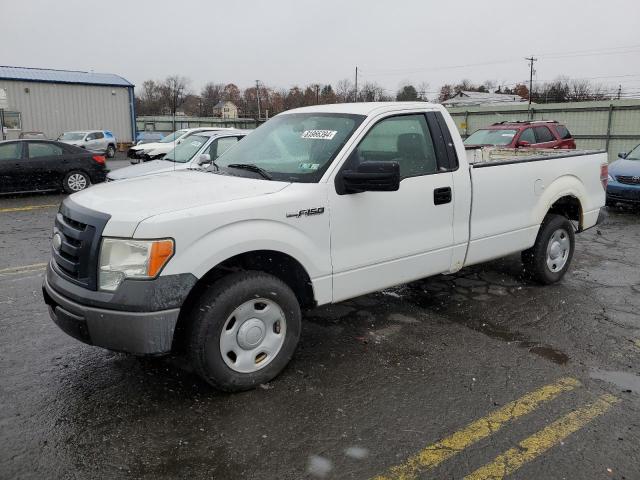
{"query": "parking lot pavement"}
pixel 477 375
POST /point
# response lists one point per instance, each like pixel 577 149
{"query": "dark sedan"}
pixel 624 179
pixel 42 165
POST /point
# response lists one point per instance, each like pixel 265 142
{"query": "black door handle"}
pixel 442 195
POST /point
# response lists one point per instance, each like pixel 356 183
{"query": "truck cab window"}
pixel 404 139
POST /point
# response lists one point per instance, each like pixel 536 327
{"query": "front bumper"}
pixel 139 318
pixel 622 193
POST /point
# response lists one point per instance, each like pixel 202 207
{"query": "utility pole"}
pixel 356 84
pixel 258 95
pixel 317 94
pixel 531 60
pixel 619 91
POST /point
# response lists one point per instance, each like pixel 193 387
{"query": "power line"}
pixel 575 53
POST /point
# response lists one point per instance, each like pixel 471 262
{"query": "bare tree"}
pixel 345 91
pixel 173 92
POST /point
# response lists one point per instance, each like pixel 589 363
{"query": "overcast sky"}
pixel 286 42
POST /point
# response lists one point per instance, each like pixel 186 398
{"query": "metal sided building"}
pixel 57 101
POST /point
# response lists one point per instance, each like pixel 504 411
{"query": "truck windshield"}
pixel 490 137
pixel 634 154
pixel 295 147
pixel 186 150
pixel 173 136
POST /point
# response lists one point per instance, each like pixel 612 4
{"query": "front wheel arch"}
pixel 278 264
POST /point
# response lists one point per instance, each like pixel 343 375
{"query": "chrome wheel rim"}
pixel 77 182
pixel 253 335
pixel 558 250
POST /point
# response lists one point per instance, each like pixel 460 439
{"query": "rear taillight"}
pixel 99 159
pixel 604 175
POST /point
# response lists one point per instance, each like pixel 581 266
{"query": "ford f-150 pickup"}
pixel 318 205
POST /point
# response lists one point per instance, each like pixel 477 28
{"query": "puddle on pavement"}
pixel 626 381
pixel 542 350
pixel 442 298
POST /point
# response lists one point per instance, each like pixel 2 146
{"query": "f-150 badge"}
pixel 306 212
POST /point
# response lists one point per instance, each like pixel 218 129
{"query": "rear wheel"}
pixel 111 151
pixel 549 258
pixel 75 181
pixel 245 330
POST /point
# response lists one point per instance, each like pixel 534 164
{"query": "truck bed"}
pixel 510 202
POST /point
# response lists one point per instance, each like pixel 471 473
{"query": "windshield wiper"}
pixel 252 168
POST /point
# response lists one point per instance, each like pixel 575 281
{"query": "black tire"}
pixel 75 181
pixel 538 259
pixel 213 312
pixel 111 151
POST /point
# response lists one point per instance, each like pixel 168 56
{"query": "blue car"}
pixel 624 179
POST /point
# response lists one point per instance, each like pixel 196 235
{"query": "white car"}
pixel 318 205
pixel 151 151
pixel 196 151
pixel 96 141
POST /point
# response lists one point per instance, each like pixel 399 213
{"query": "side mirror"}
pixel 204 159
pixel 622 155
pixel 523 143
pixel 371 177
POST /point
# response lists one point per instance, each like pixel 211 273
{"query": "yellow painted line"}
pixel 540 442
pixel 30 207
pixel 437 453
pixel 23 268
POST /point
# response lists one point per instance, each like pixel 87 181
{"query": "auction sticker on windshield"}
pixel 319 134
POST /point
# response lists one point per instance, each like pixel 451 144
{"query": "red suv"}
pixel 536 134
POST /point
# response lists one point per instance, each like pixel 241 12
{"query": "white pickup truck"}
pixel 318 205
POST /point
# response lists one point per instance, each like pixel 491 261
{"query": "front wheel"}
pixel 549 258
pixel 75 181
pixel 245 329
pixel 111 151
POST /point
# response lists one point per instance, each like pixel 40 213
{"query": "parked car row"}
pixel 77 159
pixel 199 150
pixel 156 150
pixel 71 165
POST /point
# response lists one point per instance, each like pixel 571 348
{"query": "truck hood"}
pixel 131 201
pixel 147 168
pixel 625 167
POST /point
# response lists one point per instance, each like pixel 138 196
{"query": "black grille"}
pixel 80 230
pixel 629 180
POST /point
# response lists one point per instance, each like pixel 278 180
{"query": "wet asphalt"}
pixel 374 380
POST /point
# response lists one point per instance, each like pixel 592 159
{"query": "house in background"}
pixel 467 99
pixel 225 109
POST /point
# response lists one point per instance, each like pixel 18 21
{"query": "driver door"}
pixel 381 239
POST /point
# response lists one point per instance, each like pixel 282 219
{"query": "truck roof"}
pixel 364 108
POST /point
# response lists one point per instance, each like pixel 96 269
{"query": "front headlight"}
pixel 127 258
